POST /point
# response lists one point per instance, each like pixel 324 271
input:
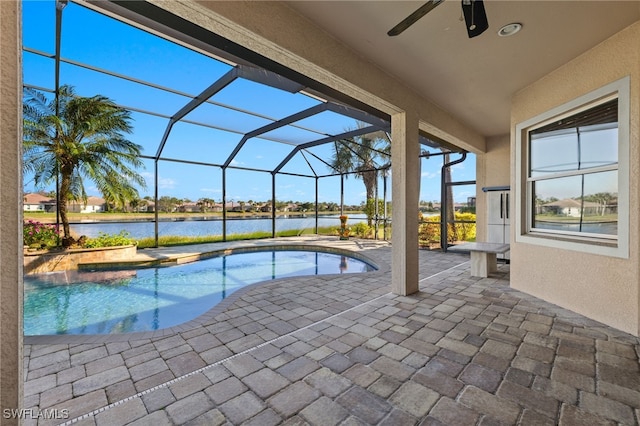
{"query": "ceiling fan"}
pixel 473 10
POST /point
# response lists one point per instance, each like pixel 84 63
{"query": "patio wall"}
pixel 492 169
pixel 11 200
pixel 601 287
pixel 39 262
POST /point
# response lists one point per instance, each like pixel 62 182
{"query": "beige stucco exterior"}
pixel 11 201
pixel 492 169
pixel 604 288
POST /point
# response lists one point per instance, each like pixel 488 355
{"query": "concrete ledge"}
pixel 181 258
pixel 63 260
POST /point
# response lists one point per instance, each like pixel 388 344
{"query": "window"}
pixel 573 171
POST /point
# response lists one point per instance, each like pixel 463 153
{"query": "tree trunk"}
pixel 65 182
pixel 369 178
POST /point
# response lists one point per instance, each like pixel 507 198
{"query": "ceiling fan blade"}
pixel 475 17
pixel 411 19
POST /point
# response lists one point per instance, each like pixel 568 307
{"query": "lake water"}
pixel 194 228
pixel 607 228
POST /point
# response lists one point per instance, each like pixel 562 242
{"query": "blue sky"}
pixel 102 42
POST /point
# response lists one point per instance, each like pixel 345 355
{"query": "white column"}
pixel 11 201
pixel 405 180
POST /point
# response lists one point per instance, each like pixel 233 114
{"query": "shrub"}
pixel 109 240
pixel 465 231
pixel 429 229
pixel 40 235
pixel 362 230
pixel 370 209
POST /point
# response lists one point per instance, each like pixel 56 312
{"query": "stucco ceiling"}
pixel 473 79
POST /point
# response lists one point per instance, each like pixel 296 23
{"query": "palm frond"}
pixel 83 141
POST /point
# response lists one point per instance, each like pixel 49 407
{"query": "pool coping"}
pixel 194 257
pixel 209 316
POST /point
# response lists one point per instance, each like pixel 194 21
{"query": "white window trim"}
pixel 621 88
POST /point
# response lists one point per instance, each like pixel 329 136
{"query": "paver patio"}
pixel 342 350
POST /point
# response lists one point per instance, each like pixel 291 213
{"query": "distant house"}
pixel 93 205
pixel 571 207
pixel 265 208
pixel 190 207
pixel 232 206
pixel 292 207
pixel 34 202
pixel 146 206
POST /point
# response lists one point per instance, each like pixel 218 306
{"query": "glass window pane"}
pixel 584 140
pixel 553 152
pixel 600 214
pixel 561 205
pixel 557 203
pixel 598 146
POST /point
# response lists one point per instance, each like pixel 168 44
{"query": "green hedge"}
pixel 429 229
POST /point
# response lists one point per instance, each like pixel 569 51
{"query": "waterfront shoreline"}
pixel 81 218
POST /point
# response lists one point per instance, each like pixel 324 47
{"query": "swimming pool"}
pixel 149 299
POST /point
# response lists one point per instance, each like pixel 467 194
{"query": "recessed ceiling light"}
pixel 509 29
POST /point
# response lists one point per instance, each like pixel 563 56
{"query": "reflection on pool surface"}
pixel 150 299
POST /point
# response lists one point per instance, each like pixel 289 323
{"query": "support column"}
pixel 11 383
pixel 405 150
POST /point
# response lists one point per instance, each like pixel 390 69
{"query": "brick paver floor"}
pixel 342 350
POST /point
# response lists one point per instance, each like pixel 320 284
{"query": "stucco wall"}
pixel 492 169
pixel 600 287
pixel 11 200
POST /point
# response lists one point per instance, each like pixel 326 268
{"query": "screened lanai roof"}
pixel 198 104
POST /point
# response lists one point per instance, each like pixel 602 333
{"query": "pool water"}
pixel 106 302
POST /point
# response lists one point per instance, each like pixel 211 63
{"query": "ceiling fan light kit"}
pixel 475 17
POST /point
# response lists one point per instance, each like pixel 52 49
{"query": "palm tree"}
pixel 360 156
pixel 73 138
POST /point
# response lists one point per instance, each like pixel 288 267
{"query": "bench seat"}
pixel 483 256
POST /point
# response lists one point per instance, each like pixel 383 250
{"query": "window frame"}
pixel 616 246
